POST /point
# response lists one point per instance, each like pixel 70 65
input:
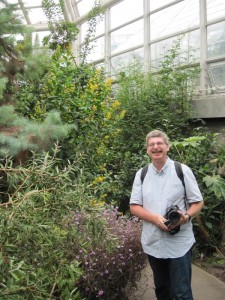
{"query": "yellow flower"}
pixel 122 114
pixel 93 87
pixel 98 179
pixel 116 104
pixel 108 116
pixel 97 203
pixel 109 81
pixel 94 107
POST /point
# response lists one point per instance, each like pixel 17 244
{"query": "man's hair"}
pixel 157 133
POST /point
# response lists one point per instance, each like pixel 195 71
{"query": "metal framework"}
pixel 210 81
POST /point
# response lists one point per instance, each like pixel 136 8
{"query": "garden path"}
pixel 205 286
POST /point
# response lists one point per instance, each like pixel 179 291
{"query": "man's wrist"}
pixel 188 217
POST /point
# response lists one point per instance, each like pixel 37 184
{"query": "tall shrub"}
pixel 205 155
pixel 161 100
pixel 17 133
pixel 55 245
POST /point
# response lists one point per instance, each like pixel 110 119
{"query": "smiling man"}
pixel 169 251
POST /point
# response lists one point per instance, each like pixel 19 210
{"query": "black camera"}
pixel 173 216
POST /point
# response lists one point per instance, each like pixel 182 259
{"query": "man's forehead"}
pixel 156 138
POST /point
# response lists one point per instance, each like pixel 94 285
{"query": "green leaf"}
pixel 216 184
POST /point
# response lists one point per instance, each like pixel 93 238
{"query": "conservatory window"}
pixel 215 9
pixel 119 62
pixel 97 51
pixel 84 6
pixel 189 49
pixel 125 11
pixel 127 37
pixel 33 2
pixel 37 37
pixel 216 77
pixel 99 29
pixel 216 40
pixel 175 18
pixel 37 15
pixel 154 4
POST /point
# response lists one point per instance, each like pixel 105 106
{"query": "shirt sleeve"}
pixel 192 189
pixel 136 193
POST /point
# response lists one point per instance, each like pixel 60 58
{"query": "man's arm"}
pixel 194 208
pixel 156 219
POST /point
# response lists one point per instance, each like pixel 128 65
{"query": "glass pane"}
pixel 84 6
pixel 37 15
pixel 154 4
pixel 99 29
pixel 216 76
pixel 100 66
pixel 37 37
pixel 118 63
pixel 189 49
pixel 175 18
pixel 97 51
pixel 12 1
pixel 125 11
pixel 127 37
pixel 216 40
pixel 33 2
pixel 215 9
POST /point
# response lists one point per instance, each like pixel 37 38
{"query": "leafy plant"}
pixel 35 236
pixel 149 101
pixel 62 33
pixel 203 154
pixel 52 239
pixel 95 15
pixel 112 255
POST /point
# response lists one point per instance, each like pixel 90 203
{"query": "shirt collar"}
pixel 164 168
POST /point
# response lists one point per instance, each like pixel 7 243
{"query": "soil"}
pixel 214 264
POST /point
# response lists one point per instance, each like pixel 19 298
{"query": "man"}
pixel 169 254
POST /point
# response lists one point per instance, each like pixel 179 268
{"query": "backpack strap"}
pixel 144 172
pixel 178 168
pixel 180 175
pixel 179 171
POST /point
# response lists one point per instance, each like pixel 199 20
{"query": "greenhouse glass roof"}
pixel 32 12
pixel 144 30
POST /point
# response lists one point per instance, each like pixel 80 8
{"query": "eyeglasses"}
pixel 158 144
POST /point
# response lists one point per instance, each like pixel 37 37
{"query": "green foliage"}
pixel 19 134
pixel 10 57
pixel 51 239
pixel 206 157
pixel 112 257
pixel 62 33
pixel 94 17
pixel 82 95
pixel 36 238
pixel 17 64
pixel 216 184
pixel 149 101
pixel 108 141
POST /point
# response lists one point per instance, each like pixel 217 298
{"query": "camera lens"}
pixel 174 216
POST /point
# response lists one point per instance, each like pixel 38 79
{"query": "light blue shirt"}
pixel 159 191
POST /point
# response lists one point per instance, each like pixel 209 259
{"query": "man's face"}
pixel 157 149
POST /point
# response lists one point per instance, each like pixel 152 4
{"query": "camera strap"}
pixel 180 175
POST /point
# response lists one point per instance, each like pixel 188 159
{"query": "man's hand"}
pixel 159 221
pixel 183 220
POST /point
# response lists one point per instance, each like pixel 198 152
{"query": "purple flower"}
pixel 100 293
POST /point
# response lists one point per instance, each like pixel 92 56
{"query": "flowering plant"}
pixel 110 253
